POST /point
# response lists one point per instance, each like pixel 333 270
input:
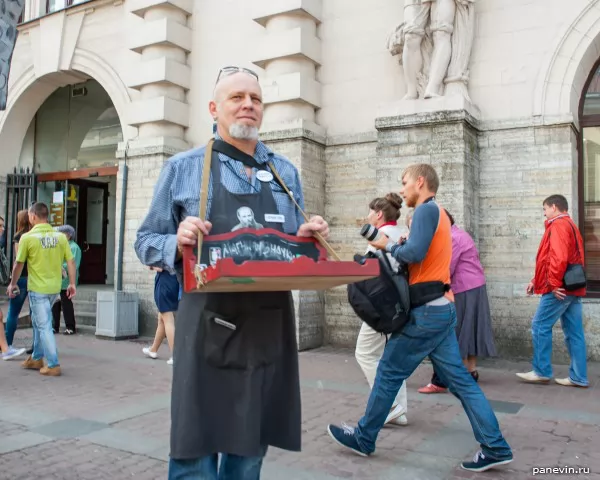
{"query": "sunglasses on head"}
pixel 226 71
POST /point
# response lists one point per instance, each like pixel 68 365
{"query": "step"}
pixel 85 296
pixel 85 318
pixel 84 306
pixel 24 320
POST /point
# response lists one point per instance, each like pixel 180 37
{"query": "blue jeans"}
pixel 571 319
pixel 44 344
pixel 14 309
pixel 233 467
pixel 430 331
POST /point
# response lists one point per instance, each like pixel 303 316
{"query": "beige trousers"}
pixel 369 348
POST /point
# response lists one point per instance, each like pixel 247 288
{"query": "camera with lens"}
pixel 370 233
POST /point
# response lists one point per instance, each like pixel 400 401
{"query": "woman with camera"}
pixel 384 213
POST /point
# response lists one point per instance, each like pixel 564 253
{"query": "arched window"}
pixel 589 177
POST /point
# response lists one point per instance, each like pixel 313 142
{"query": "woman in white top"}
pixel 384 214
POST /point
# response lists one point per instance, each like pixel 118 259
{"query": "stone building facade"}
pixel 334 105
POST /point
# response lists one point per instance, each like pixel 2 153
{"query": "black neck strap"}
pixel 236 154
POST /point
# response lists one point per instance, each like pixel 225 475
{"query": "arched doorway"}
pixel 27 94
pixel 589 177
pixel 70 145
pixel 75 136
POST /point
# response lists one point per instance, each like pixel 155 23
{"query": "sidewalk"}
pixel 107 417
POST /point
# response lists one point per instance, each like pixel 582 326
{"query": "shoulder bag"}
pixel 574 278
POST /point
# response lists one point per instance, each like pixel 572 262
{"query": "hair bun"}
pixel 394 199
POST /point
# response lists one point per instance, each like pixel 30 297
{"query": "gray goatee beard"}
pixel 243 132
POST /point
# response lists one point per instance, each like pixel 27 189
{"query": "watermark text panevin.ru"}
pixel 559 470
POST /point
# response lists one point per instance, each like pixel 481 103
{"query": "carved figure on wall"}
pixel 435 42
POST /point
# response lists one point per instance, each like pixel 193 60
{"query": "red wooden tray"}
pixel 301 273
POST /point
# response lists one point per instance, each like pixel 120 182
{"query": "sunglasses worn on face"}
pixel 226 71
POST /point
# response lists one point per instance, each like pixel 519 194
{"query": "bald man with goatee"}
pixel 235 382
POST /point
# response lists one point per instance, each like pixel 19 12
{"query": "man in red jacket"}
pixel 561 246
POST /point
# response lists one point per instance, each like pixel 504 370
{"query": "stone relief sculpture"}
pixel 435 42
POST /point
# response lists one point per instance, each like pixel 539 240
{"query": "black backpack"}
pixel 382 302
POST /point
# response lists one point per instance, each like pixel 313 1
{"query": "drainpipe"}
pixel 122 223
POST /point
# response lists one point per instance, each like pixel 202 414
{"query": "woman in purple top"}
pixel 473 319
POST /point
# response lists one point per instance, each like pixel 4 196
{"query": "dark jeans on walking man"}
pixel 430 332
pixel 68 312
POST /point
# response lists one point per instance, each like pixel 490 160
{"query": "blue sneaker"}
pixel 481 463
pixel 345 437
pixel 12 353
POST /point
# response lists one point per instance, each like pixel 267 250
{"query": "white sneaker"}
pixel 13 352
pixel 566 382
pixel 170 361
pixel 532 377
pixel 149 353
pixel 401 420
pixel 395 413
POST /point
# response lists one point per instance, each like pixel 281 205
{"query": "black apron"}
pixel 235 391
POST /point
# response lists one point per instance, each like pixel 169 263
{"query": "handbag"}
pixel 574 277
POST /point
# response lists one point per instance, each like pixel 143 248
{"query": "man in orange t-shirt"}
pixel 429 332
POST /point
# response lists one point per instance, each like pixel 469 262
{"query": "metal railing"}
pixel 20 193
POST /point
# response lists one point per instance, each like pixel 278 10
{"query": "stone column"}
pixel 442 132
pixel 290 55
pixel 161 115
pixel 144 164
pixel 163 41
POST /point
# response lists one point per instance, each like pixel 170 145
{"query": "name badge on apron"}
pixel 274 218
pixel 264 176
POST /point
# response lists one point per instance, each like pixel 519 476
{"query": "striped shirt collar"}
pixel 562 215
pixel 262 153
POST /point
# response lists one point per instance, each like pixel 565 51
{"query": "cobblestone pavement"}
pixel 107 417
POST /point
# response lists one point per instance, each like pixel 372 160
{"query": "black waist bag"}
pixel 382 302
pixel 424 292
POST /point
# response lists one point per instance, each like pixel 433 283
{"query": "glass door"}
pixel 53 194
pixel 92 230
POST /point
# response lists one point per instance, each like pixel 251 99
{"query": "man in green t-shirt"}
pixel 44 250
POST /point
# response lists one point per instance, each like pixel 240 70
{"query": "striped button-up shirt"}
pixel 177 195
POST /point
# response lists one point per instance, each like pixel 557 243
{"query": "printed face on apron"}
pixel 245 215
